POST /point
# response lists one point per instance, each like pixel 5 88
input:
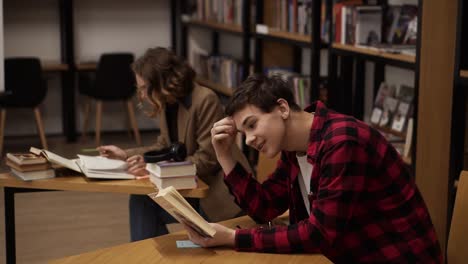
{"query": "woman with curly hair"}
pixel 186 113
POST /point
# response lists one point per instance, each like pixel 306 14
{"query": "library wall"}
pixel 31 28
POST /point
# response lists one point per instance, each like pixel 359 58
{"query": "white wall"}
pixel 32 29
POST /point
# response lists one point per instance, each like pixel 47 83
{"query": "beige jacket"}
pixel 194 125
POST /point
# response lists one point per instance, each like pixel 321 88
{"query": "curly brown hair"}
pixel 167 77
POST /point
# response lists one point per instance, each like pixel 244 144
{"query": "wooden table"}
pixel 14 185
pixel 163 249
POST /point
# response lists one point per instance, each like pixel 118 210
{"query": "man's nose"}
pixel 250 140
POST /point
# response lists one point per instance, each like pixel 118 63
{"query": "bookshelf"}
pixel 215 26
pixel 286 37
pixel 458 155
pixel 269 39
pixel 242 30
pixel 348 67
pixel 389 58
pixel 437 124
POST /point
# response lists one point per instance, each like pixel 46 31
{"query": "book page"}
pixel 102 163
pixel 180 209
pixel 54 158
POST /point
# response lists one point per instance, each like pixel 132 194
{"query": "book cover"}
pixel 34 175
pixel 25 158
pixel 389 107
pixel 172 169
pixel 179 183
pixel 176 205
pixel 31 167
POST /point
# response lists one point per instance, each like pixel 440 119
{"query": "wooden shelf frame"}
pixel 286 37
pixel 399 60
pixel 216 26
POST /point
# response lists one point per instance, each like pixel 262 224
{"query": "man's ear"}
pixel 283 107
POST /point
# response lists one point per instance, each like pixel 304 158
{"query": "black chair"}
pixel 114 82
pixel 24 88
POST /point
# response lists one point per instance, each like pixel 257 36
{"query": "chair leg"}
pixel 40 127
pixel 133 122
pixel 2 128
pixel 87 108
pixel 98 122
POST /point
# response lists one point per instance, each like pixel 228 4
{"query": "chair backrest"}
pixel 23 80
pixel 457 250
pixel 265 166
pixel 114 77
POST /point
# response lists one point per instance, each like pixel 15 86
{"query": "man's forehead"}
pixel 242 115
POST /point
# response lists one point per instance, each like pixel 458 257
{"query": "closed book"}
pixel 171 168
pixel 34 175
pixel 32 167
pixel 25 158
pixel 179 183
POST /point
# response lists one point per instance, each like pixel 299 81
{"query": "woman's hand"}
pixel 224 236
pixel 112 152
pixel 137 166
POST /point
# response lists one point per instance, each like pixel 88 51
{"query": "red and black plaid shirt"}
pixel 364 204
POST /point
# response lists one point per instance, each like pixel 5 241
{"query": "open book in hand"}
pixel 91 166
pixel 176 205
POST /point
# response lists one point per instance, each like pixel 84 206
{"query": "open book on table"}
pixel 176 205
pixel 91 166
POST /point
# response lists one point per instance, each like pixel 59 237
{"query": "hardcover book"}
pixel 34 175
pixel 172 169
pixel 25 158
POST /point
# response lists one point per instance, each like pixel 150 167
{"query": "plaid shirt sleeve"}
pixel 342 176
pixel 263 202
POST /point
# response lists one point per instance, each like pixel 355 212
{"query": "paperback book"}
pixel 91 166
pixel 176 205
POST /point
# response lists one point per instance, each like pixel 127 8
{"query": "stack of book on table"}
pixel 180 175
pixel 28 166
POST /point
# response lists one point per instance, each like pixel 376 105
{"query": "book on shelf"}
pixel 25 158
pixel 400 25
pixel 384 105
pixel 176 205
pixel 172 168
pixel 409 139
pixel 33 175
pixel 405 97
pixel 91 166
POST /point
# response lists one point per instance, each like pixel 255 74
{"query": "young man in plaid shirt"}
pixel 349 194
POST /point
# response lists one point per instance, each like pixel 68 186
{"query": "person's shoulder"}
pixel 343 128
pixel 202 94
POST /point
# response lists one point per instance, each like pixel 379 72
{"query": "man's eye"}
pixel 252 125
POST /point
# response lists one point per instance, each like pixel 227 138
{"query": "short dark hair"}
pixel 262 92
pixel 167 76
